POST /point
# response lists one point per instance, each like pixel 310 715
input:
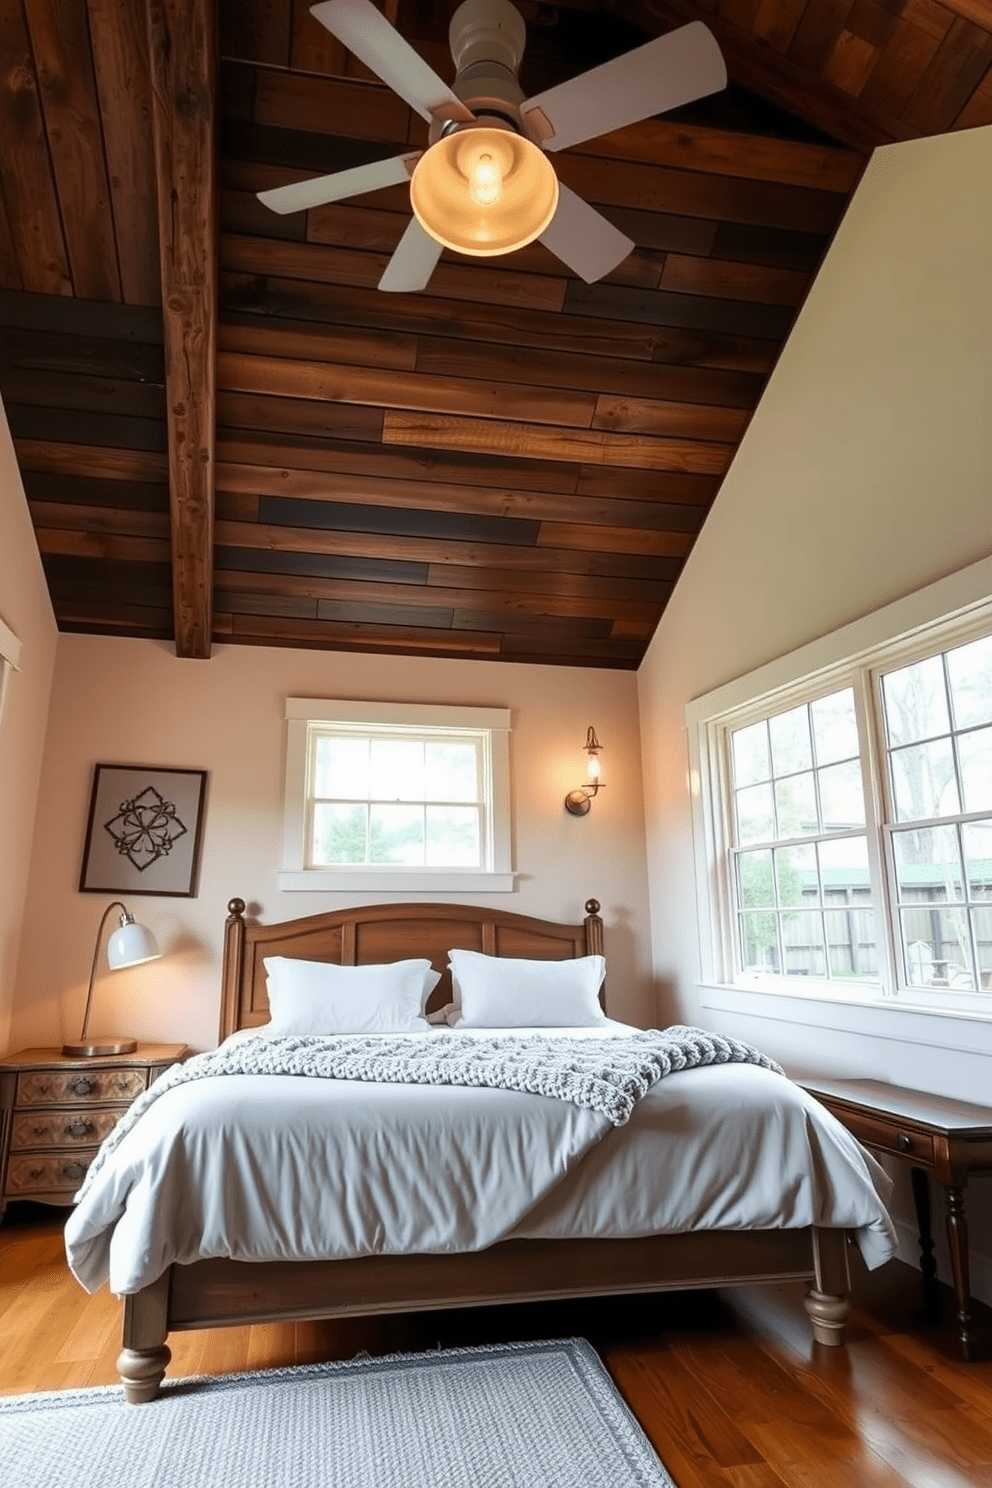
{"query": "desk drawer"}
pixel 62 1128
pixel 889 1136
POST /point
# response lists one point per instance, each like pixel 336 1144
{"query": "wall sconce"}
pixel 578 801
pixel 129 945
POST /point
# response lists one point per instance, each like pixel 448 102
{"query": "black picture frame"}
pixel 144 831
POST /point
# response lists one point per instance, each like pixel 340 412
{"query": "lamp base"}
pixel 577 802
pixel 97 1044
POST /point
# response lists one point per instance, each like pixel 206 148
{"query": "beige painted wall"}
pixel 130 701
pixel 27 611
pixel 865 475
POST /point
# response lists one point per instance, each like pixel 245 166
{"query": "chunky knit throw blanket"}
pixel 604 1075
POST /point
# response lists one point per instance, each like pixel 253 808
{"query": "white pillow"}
pixel 318 997
pixel 502 992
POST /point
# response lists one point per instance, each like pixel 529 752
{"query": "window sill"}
pixel 426 881
pixel 891 1019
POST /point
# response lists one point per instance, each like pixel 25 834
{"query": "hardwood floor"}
pixel 728 1386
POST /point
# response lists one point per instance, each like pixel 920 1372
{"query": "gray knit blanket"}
pixel 608 1076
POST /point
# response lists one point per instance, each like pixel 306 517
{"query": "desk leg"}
pixel 928 1265
pixel 957 1235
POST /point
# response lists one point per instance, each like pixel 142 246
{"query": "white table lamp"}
pixel 128 945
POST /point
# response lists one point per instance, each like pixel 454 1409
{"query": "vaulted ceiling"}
pixel 228 434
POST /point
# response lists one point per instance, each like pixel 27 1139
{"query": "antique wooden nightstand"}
pixel 55 1112
pixel 949 1138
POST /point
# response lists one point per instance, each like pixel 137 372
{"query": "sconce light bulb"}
pixel 485 185
pixel 594 767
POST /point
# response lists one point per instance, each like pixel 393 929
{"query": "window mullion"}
pixel 874 778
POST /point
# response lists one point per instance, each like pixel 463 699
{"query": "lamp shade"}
pixel 484 191
pixel 129 945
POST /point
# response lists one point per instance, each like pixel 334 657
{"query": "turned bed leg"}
pixel 142 1361
pixel 827 1302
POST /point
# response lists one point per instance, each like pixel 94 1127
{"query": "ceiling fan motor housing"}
pixel 487 39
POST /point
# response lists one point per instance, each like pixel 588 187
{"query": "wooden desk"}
pixel 950 1139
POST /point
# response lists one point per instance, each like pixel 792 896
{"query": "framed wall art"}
pixel 144 831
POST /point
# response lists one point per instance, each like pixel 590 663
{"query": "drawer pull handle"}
pixel 904 1143
pixel 78 1128
pixel 82 1086
pixel 74 1169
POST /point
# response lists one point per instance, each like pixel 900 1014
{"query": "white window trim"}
pixel 10 659
pixel 294 875
pixel 952 611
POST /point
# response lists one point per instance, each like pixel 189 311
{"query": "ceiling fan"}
pixel 484 185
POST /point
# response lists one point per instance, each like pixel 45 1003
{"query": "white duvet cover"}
pixel 277 1167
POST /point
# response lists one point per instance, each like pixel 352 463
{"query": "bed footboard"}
pixel 218 1293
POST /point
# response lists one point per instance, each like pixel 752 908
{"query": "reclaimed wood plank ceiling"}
pixel 228 434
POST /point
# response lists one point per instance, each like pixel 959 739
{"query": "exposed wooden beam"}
pixel 182 44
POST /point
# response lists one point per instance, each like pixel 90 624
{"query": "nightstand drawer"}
pixel 59 1087
pixel 889 1136
pixel 43 1172
pixel 62 1128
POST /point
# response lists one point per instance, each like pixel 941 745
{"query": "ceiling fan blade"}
pixel 320 189
pixel 302 195
pixel 661 75
pixel 366 32
pixel 583 239
pixel 413 263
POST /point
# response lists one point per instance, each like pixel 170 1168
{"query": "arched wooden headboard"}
pixel 377 933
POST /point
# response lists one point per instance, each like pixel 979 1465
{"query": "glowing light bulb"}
pixel 485 185
pixel 594 767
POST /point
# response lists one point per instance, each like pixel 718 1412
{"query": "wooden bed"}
pixel 218 1292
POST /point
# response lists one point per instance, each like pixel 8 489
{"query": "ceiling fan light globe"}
pixel 455 169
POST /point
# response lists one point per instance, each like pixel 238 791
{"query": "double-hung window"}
pixel 396 796
pixel 845 820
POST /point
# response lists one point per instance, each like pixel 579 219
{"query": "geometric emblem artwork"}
pixel 145 828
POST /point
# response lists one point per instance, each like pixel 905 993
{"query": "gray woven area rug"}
pixel 519 1415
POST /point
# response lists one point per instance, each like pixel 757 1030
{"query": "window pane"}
pixel 916 702
pixel 975 754
pixel 751 759
pixel 759 944
pixel 451 772
pixel 396 834
pixel 795 806
pixel 452 836
pixel 983 938
pixel 791 749
pixel 396 770
pixel 757 888
pixel 852 950
pixel 978 859
pixel 928 865
pixel 755 815
pixel 341 769
pixel 937 947
pixel 339 834
pixel 844 871
pixel 835 727
pixel 795 876
pixel 842 798
pixel 970 671
pixel 802 943
pixel 923 781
